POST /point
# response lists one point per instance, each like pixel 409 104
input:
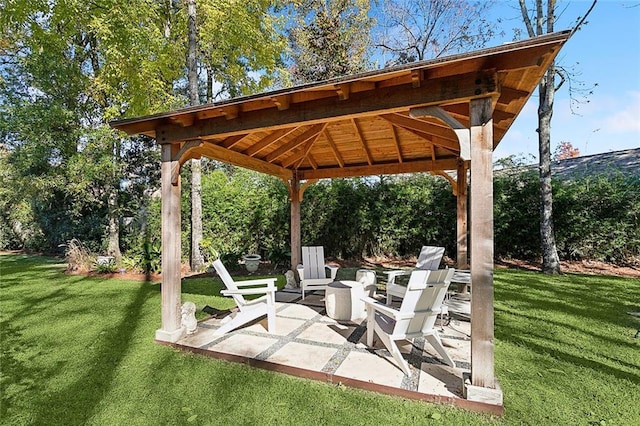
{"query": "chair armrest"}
pixel 249 291
pixel 373 303
pixel 260 281
pixel 300 269
pixel 333 270
pixel 391 275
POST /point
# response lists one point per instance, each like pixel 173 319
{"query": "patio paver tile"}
pixel 327 333
pixel 201 337
pixel 303 356
pixel 298 311
pixel 371 368
pixel 440 380
pixel 284 326
pixel 243 345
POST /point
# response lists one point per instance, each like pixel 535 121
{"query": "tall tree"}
pixel 539 20
pixel 239 46
pixel 196 257
pixel 69 67
pixel 418 30
pixel 329 38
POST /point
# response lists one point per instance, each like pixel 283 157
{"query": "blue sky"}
pixel 605 52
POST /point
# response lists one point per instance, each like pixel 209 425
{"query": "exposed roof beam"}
pixel 463 133
pixel 379 169
pixel 396 142
pixel 296 142
pixel 268 140
pixel 334 148
pixel 362 141
pixel 232 157
pixel 450 89
pixel 232 141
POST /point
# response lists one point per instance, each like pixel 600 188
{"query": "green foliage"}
pixel 598 217
pixel 329 38
pixel 241 45
pixel 595 217
pixel 108 267
pixel 516 214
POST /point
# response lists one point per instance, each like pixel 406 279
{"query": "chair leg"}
pixel 239 320
pixel 371 324
pixel 434 340
pixel 271 319
pixel 392 347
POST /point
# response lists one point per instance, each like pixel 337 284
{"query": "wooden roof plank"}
pixel 362 141
pixel 268 140
pixel 296 142
pixel 334 148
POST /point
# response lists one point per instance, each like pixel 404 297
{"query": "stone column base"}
pixel 481 394
pixel 170 336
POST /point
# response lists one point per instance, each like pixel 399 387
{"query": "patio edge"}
pixel 476 406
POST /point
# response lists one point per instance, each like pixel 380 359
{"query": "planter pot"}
pixel 251 262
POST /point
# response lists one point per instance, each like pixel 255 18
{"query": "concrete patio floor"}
pixel 309 344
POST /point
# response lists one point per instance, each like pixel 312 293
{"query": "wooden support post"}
pixel 296 246
pixel 171 329
pixel 462 258
pixel 482 331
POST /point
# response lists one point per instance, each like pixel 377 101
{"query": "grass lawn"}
pixel 79 350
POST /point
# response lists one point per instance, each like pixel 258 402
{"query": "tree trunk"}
pixel 113 248
pixel 197 260
pixel 550 261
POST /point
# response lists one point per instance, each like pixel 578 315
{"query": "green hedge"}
pixel 595 217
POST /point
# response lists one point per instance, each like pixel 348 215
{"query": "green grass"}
pixel 79 350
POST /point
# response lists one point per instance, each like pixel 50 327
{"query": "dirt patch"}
pixel 588 267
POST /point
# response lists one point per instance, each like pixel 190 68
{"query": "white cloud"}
pixel 624 118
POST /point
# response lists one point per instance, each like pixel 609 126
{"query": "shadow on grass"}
pixel 570 318
pixel 80 399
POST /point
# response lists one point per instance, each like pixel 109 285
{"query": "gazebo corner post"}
pixel 171 329
pixel 462 240
pixel 295 199
pixel 484 386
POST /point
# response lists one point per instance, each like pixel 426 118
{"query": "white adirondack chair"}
pixel 248 310
pixel 313 271
pixel 415 318
pixel 429 260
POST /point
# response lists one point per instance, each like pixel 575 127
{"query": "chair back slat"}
pixel 425 293
pixel 228 281
pixel 430 258
pixel 313 262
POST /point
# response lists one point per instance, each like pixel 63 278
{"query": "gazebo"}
pixel 442 115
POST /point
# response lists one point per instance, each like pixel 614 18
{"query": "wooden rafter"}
pixel 396 142
pixel 242 160
pixel 334 148
pixel 296 142
pixel 362 141
pixel 232 141
pixel 268 140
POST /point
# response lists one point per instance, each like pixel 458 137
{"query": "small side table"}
pixel 368 279
pixel 343 300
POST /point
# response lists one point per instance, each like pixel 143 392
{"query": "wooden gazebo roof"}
pixel 365 124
